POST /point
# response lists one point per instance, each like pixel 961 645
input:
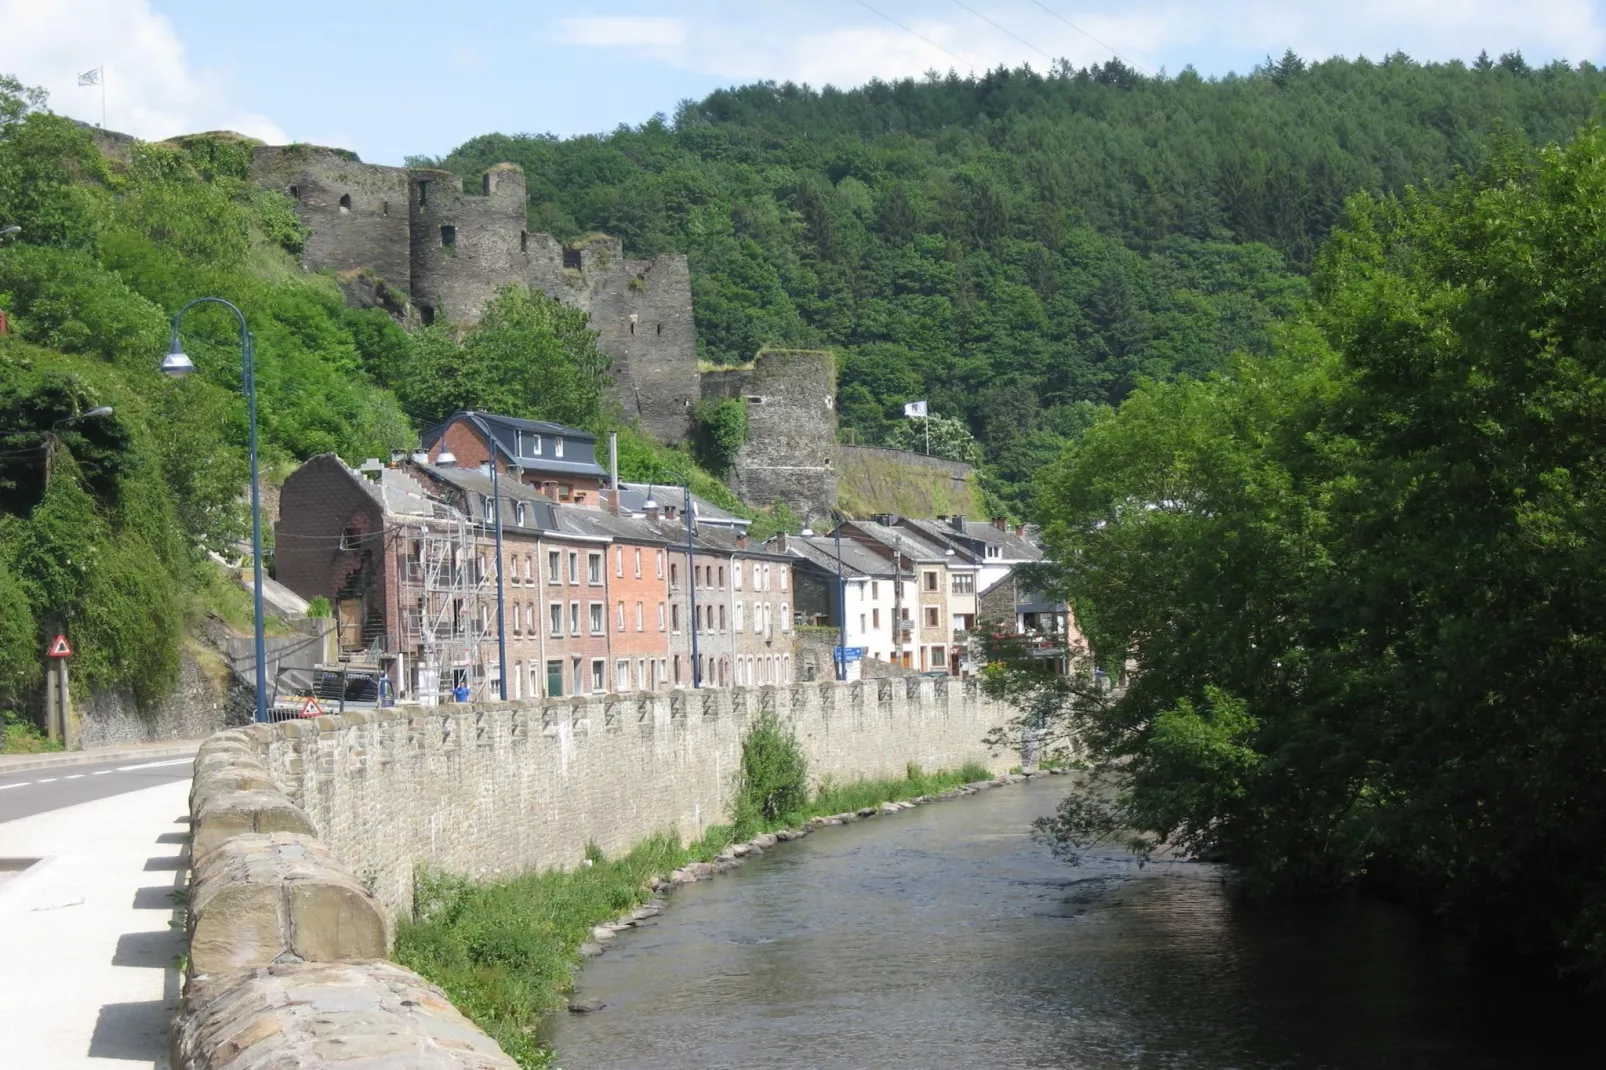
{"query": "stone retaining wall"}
pixel 305 836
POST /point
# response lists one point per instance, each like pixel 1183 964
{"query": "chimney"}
pixel 884 519
pixel 651 511
pixel 741 541
pixel 420 457
pixel 1020 531
pixel 613 471
pixel 1001 523
pixel 957 522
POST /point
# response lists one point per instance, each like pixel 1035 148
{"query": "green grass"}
pixel 221 596
pixel 22 736
pixel 506 952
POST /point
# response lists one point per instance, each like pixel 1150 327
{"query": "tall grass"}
pixel 505 952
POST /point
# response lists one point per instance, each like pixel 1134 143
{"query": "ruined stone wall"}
pixel 791 452
pixel 465 246
pixel 355 213
pixel 494 789
pixel 641 311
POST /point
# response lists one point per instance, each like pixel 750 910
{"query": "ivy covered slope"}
pixel 114 547
pixel 1019 247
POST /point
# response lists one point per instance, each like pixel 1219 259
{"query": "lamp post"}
pixel 841 602
pixel 691 587
pixel 52 440
pixel 176 366
pixel 501 599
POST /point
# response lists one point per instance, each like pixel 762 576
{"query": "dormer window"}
pixel 518 513
pixel 557 447
pixel 994 551
pixel 529 444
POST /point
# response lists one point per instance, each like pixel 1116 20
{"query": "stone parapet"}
pixel 326 1015
pixel 278 897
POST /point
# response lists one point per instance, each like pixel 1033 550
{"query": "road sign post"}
pixel 59 715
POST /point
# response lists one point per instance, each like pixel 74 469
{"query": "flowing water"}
pixel 944 937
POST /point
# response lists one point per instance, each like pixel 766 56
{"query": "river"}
pixel 944 937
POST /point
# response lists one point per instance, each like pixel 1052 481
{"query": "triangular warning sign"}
pixel 311 708
pixel 59 647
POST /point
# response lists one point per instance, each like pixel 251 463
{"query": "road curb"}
pixel 24 763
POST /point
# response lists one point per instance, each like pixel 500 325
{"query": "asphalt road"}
pixel 39 790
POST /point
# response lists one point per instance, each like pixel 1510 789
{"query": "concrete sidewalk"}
pixel 142 752
pixel 89 977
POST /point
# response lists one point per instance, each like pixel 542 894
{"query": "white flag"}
pixel 915 408
pixel 90 77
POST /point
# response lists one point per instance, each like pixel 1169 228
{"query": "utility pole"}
pixel 897 596
pixel 501 598
pixel 842 609
pixel 691 588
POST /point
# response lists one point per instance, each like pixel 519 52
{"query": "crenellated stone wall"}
pixel 493 789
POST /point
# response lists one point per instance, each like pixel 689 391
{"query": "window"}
pixel 786 618
pixel 618 560
pixel 939 657
pixel 295 192
pixel 722 575
pixel 875 614
pixel 964 583
pixel 641 618
pixel 529 571
pixel 529 444
pixel 993 551
pixel 490 510
pixel 578 675
pixel 535 680
pixel 574 618
pixel 736 617
pixel 351 539
pixel 557 447
pixel 622 675
pixel 721 618
pixel 594 569
pixel 557 618
pixel 659 554
pixel 643 681
pixel 423 192
pixel 930 579
pixel 638 564
pixel 677 668
pixel 621 623
pixel 448 237
pixel 518 513
pixel 529 622
pixel 875 589
pixel 513 571
pixel 518 678
pixel 345 204
pixel 574 567
pixel 554 679
pixel 697 575
pixel 931 616
pixel 596 618
pixel 674 617
pixel 877 621
pixel 660 616
pixel 517 629
pixel 736 576
pixel 552 567
pixel 674 575
pixel 784 573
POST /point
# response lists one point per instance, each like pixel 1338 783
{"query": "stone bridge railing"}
pixel 305 835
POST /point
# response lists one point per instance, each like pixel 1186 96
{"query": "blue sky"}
pixel 390 79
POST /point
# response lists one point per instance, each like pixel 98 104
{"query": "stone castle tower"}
pixel 449 249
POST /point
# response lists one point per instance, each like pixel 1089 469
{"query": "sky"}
pixel 394 78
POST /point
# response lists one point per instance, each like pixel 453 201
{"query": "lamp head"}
pixel 98 411
pixel 176 365
pixel 807 533
pixel 9 233
pixel 445 458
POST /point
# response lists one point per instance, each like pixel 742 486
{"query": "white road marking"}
pixel 24 784
pixel 100 772
pixel 47 780
pixel 154 765
pixel 75 776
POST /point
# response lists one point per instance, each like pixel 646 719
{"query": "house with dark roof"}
pixel 559 462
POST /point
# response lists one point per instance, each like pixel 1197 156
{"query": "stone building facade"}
pixel 790 454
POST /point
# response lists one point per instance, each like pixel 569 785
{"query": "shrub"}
pixel 773 781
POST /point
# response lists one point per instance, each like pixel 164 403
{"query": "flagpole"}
pixel 927 419
pixel 103 105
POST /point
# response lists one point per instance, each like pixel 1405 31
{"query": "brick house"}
pixel 559 462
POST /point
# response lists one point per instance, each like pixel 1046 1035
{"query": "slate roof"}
pixel 504 430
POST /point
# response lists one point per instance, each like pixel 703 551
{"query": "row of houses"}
pixel 606 586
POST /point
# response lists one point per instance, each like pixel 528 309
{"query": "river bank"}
pixel 506 952
pixel 946 936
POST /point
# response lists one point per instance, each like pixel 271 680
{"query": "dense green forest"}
pixel 1021 247
pixel 1360 579
pixel 113 545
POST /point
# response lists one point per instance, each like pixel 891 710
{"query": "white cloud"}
pixel 804 41
pixel 151 90
pixel 621 31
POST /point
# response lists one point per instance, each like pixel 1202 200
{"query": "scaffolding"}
pixel 448 604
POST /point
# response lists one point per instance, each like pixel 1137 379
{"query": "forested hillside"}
pixel 1020 247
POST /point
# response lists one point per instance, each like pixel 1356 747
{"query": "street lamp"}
pixel 691 588
pixel 501 606
pixel 10 233
pixel 176 366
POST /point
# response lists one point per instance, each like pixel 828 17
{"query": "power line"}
pixel 912 33
pixel 1005 30
pixel 1089 36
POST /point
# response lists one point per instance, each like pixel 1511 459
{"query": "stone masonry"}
pixel 790 454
